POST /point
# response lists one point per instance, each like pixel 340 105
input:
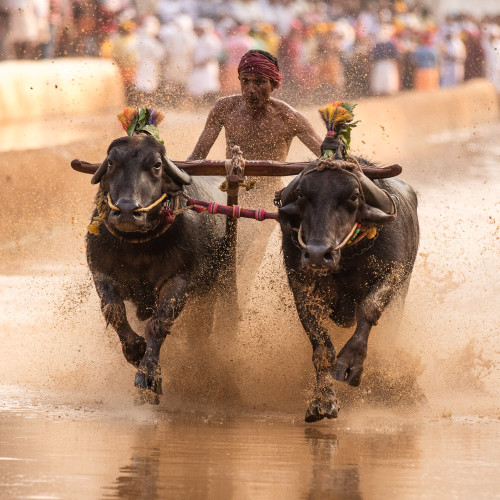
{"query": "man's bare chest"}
pixel 267 130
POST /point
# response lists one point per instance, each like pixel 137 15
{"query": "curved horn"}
pixel 100 172
pixel 172 170
pixel 84 166
pixel 289 193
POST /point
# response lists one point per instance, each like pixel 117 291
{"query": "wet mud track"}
pixel 423 424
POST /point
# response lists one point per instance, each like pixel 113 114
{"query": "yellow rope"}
pixel 249 184
pixel 110 203
pixel 103 210
pixel 147 209
pixel 104 205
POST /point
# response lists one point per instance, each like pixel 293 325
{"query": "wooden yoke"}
pixel 252 167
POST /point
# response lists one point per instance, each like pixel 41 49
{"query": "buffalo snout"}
pixel 127 218
pixel 321 256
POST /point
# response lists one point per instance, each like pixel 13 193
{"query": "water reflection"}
pixel 59 452
pixel 328 479
pixel 265 458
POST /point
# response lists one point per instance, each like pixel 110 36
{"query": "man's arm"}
pixel 213 126
pixel 307 134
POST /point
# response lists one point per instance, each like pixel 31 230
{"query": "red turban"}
pixel 254 63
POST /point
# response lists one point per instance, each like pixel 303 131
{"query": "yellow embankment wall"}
pixel 35 89
pixel 392 128
pixel 407 120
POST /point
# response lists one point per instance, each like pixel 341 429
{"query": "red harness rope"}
pixel 235 211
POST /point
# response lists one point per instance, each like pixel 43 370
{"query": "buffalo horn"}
pixel 84 166
pixel 100 172
pixel 172 170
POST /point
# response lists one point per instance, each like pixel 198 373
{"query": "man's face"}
pixel 255 89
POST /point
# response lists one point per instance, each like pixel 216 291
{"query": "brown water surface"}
pixel 64 452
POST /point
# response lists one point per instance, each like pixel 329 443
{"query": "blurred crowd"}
pixel 173 49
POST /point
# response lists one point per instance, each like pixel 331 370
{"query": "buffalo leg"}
pixel 324 401
pixel 349 364
pixel 171 300
pixel 113 310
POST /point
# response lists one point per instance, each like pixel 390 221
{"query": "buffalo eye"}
pixel 354 198
pixel 110 163
pixel 157 165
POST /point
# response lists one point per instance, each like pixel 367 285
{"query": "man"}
pixel 262 126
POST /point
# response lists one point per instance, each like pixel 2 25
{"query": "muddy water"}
pixel 425 422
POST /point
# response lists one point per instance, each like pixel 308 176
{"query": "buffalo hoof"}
pixel 134 350
pixel 343 373
pixel 323 406
pixel 148 383
pixel 144 397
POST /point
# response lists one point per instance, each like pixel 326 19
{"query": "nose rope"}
pixel 145 209
pixel 110 204
pixel 338 247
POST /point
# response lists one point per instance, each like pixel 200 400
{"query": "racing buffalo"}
pixel 147 249
pixel 345 260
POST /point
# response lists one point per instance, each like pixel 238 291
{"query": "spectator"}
pixel 385 75
pixel 24 28
pixel 426 64
pixel 358 67
pixel 328 60
pixel 493 55
pixel 204 81
pixel 150 53
pixel 179 41
pixel 452 60
pixel 475 56
pixel 4 29
pixel 123 49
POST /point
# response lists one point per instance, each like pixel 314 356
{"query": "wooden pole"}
pixel 259 168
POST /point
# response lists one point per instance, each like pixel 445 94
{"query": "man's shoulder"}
pixel 228 102
pixel 224 107
pixel 287 112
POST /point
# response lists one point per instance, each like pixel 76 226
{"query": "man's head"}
pixel 259 75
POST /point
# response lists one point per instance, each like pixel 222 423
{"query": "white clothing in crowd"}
pixel 453 54
pixel 492 54
pixel 28 21
pixel 179 41
pixel 150 53
pixel 205 78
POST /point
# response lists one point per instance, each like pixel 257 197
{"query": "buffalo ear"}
pixel 290 209
pixel 96 178
pixel 172 170
pixel 367 213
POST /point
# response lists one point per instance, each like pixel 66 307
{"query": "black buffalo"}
pixel 350 283
pixel 142 255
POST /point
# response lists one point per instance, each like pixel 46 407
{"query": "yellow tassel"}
pixel 333 113
pixel 370 234
pixel 101 203
pixel 93 227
